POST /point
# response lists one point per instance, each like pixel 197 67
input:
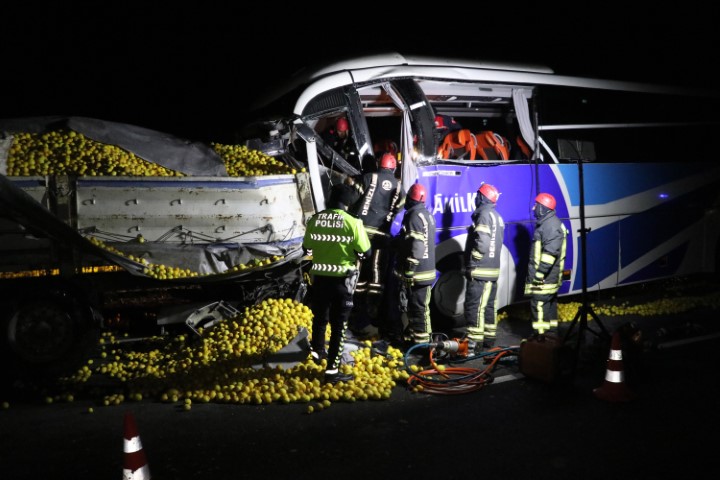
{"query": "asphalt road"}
pixel 515 427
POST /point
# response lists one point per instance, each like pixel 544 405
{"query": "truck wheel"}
pixel 448 296
pixel 46 337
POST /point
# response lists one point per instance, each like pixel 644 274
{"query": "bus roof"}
pixel 397 59
pixel 385 67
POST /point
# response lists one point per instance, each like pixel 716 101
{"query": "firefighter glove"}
pixel 408 274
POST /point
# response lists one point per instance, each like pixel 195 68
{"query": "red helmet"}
pixel 342 124
pixel 490 192
pixel 439 122
pixel 388 161
pixel 417 192
pixel 547 200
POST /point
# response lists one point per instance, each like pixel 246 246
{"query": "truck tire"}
pixel 448 295
pixel 47 338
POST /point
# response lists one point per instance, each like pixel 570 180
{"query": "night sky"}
pixel 193 71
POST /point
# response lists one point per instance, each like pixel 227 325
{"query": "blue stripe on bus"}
pixel 651 228
pixel 620 180
pixel 640 234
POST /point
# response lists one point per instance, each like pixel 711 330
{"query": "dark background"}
pixel 192 70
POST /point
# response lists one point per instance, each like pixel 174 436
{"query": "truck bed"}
pixel 206 225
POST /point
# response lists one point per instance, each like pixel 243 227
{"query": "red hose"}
pixel 454 380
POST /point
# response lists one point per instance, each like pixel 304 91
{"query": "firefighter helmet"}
pixel 490 192
pixel 342 124
pixel 417 192
pixel 388 161
pixel 547 200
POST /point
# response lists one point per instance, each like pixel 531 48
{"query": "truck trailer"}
pixel 138 254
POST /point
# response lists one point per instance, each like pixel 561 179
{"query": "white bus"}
pixel 650 170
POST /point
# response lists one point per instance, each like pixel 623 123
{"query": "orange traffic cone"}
pixel 135 465
pixel 614 389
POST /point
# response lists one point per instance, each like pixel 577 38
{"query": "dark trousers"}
pixel 332 302
pixel 371 285
pixel 418 312
pixel 481 310
pixel 389 320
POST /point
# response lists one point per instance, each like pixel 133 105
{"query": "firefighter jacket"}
pixel 416 244
pixel 335 239
pixel 484 243
pixel 547 256
pixel 345 146
pixel 381 197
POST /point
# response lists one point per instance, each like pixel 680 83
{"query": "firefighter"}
pixel 381 197
pixel 482 269
pixel 335 239
pixel 415 264
pixel 547 257
pixel 341 141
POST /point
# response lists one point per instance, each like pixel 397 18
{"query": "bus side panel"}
pixel 603 255
pixel 672 238
pixel 452 190
pixel 643 221
pixel 655 219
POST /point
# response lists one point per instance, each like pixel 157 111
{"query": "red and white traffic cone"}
pixel 135 465
pixel 614 388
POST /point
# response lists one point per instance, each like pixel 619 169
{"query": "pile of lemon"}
pixel 161 271
pixel 67 152
pixel 227 363
pixel 663 306
pixel 241 161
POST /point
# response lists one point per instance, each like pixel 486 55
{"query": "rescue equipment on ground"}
pixel 547 358
pixel 453 380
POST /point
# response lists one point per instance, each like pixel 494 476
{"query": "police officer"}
pixel 482 269
pixel 415 263
pixel 381 196
pixel 335 238
pixel 547 257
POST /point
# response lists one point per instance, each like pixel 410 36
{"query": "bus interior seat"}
pixel 523 151
pixel 459 144
pixel 492 146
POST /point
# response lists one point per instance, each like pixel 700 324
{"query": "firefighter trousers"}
pixel 481 311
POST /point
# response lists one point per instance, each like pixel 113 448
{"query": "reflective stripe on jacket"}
pixel 335 238
pixel 484 243
pixel 417 244
pixel 547 256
